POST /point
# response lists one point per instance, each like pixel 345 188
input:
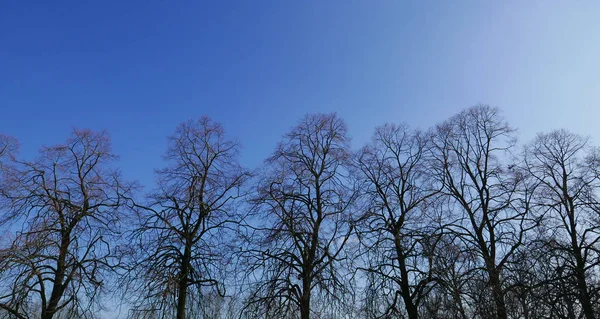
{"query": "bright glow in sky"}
pixel 139 68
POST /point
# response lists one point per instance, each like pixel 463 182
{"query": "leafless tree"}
pixel 395 231
pixel 490 206
pixel 546 288
pixel 566 169
pixel 184 232
pixel 8 150
pixel 452 268
pixel 63 214
pixel 8 147
pixel 303 202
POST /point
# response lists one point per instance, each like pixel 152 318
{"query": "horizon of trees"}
pixel 458 221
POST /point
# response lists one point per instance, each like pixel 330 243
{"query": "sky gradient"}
pixel 139 68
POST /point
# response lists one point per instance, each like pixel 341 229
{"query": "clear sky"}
pixel 139 68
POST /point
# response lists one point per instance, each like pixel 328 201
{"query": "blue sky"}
pixel 139 68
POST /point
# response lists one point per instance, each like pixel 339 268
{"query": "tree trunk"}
pixel 584 297
pixel 583 291
pixel 55 296
pixel 305 298
pixel 411 309
pixel 59 276
pixel 183 281
pixel 305 306
pixel 409 305
pixel 459 303
pixel 498 294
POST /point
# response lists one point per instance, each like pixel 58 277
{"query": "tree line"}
pixel 458 221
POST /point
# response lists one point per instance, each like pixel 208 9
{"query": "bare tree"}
pixel 8 150
pixel 185 227
pixel 395 232
pixel 8 147
pixel 303 202
pixel 489 208
pixel 453 263
pixel 565 167
pixel 64 219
